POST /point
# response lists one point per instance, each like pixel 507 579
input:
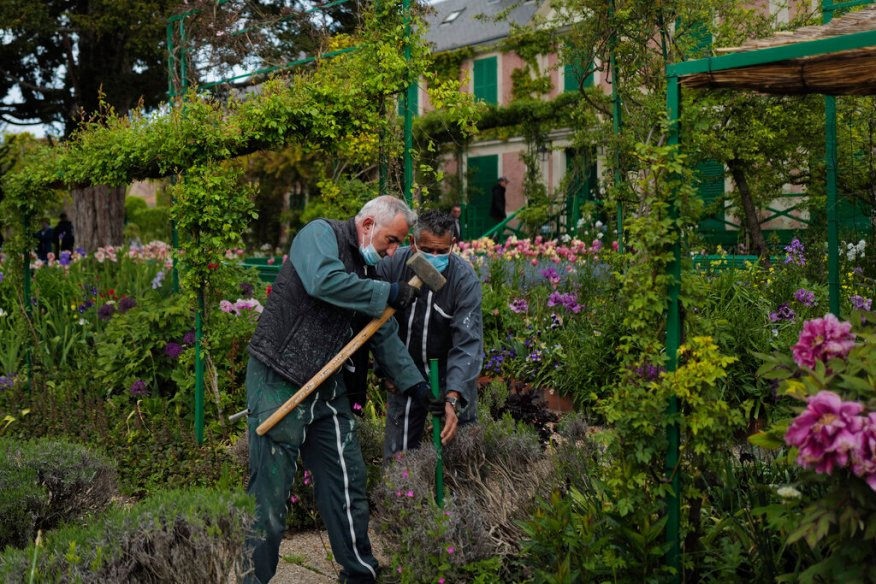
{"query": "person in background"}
pixel 497 202
pixel 456 214
pixel 446 325
pixel 307 320
pixel 45 241
pixel 63 235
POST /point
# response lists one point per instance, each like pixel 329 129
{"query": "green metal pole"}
pixel 673 340
pixel 409 98
pixel 199 369
pixel 830 158
pixel 28 305
pixel 617 125
pixel 436 436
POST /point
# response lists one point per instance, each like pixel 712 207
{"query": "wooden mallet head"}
pixel 426 271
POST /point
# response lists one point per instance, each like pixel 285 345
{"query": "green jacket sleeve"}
pixel 314 254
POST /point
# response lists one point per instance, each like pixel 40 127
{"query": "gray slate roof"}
pixel 468 30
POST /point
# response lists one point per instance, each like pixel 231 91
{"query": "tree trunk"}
pixel 98 216
pixel 750 218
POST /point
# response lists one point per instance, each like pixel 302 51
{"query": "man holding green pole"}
pixel 446 325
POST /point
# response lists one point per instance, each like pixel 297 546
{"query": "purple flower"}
pixel 173 350
pixel 81 251
pixel 519 305
pixel 1 277
pixel 796 253
pixel 189 338
pixel 138 388
pixel 64 260
pixel 245 289
pixel 825 433
pixel 551 275
pixel 569 301
pixel 805 297
pixel 783 312
pixel 158 280
pixel 126 304
pixel 226 306
pixel 858 302
pixel 864 454
pixel 106 311
pixel 7 380
pixel 649 372
pixel 822 339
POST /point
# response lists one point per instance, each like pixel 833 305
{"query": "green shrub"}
pixel 44 483
pixel 192 536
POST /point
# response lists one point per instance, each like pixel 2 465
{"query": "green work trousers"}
pixel 321 430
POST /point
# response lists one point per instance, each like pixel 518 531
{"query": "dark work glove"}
pixel 422 393
pixel 401 294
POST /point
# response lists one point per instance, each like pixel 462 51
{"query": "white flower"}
pixel 598 224
pixel 2 313
pixel 788 493
pixel 83 322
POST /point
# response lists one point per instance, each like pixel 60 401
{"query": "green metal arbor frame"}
pixel 674 73
pixel 177 70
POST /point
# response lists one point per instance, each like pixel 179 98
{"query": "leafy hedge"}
pixel 47 482
pixel 179 536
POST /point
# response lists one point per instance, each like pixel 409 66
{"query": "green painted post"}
pixel 28 304
pixel 617 125
pixel 673 340
pixel 436 436
pixel 199 369
pixel 833 287
pixel 409 99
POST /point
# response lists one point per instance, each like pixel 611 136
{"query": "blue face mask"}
pixel 439 261
pixel 369 254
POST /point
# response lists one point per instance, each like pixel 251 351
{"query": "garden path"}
pixel 304 559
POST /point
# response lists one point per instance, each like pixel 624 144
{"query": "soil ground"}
pixel 304 559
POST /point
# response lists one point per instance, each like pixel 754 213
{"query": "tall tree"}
pixel 61 59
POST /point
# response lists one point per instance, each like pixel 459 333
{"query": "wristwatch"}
pixel 453 402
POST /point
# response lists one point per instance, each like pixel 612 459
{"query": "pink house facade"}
pixel 458 24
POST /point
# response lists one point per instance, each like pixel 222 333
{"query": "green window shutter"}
pixel 415 105
pixel 481 177
pixel 572 72
pixel 711 191
pixel 486 85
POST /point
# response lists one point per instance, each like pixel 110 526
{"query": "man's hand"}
pixel 401 294
pixel 422 393
pixel 451 422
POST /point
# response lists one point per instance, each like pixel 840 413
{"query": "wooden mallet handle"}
pixel 333 365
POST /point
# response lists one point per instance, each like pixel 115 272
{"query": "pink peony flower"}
pixel 864 454
pixel 826 432
pixel 822 339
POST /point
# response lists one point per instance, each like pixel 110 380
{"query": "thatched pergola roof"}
pixel 846 72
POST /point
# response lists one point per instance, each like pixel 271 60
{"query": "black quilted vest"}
pixel 297 334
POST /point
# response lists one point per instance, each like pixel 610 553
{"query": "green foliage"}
pixel 144 223
pixel 177 536
pixel 210 207
pixel 48 482
pixel 133 345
